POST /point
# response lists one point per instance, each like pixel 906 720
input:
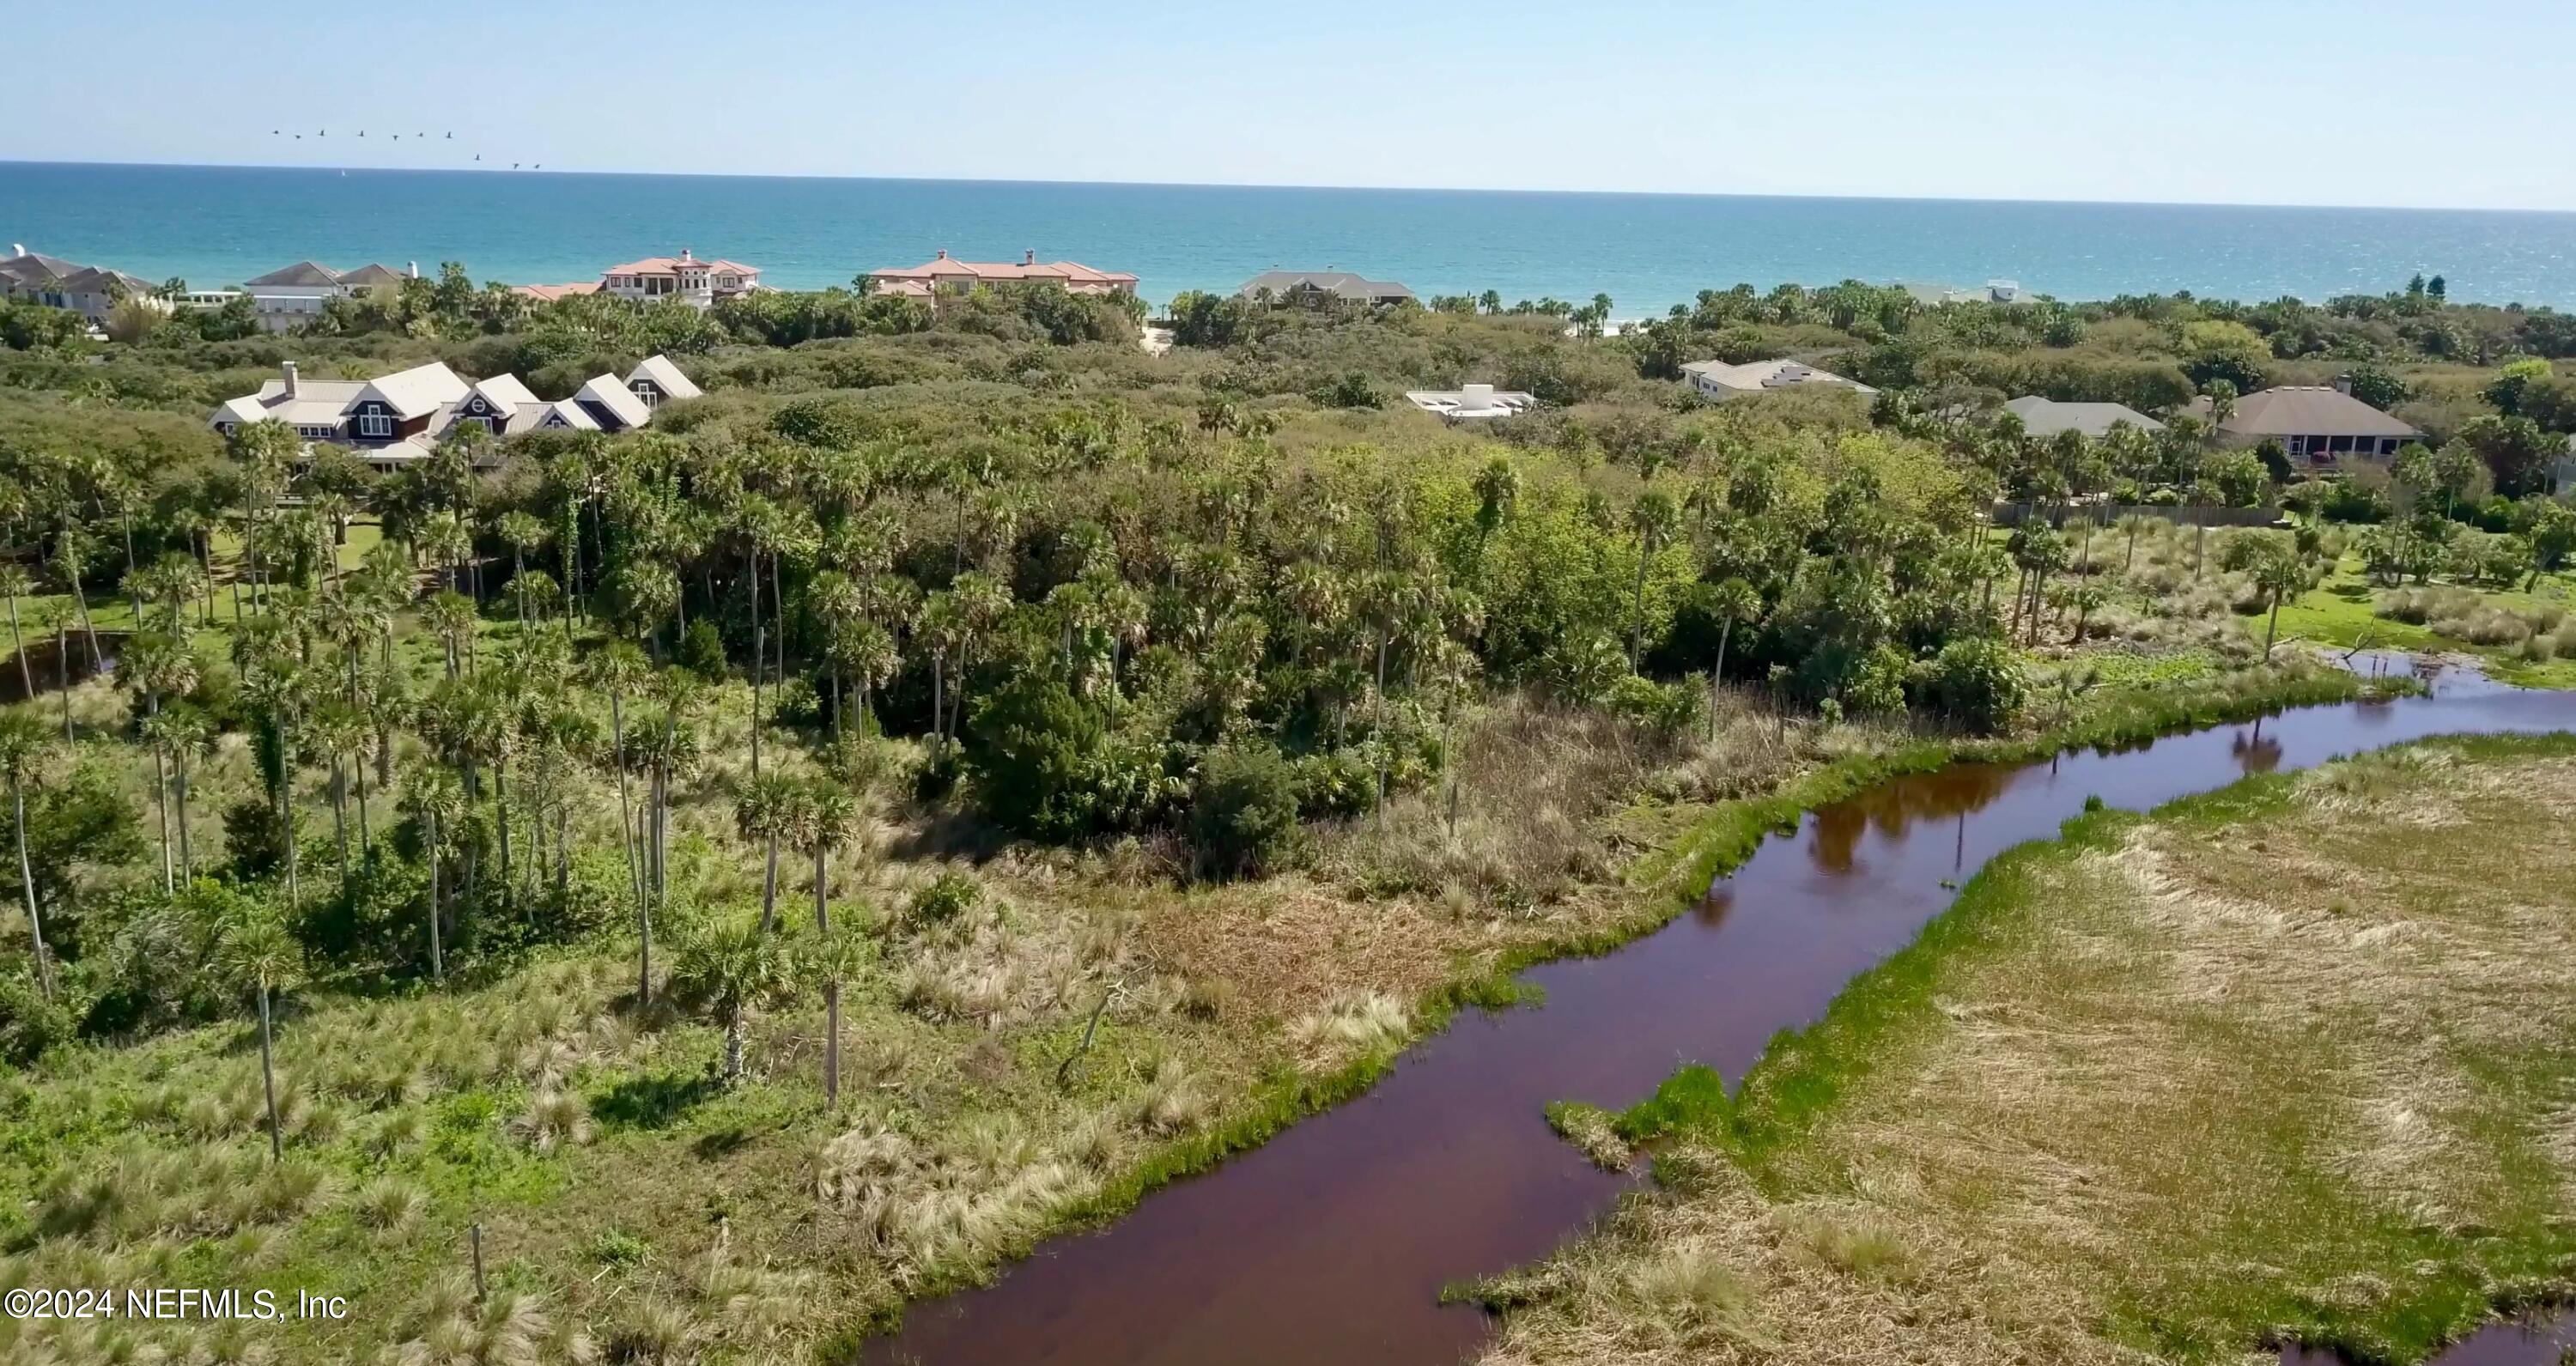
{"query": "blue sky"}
pixel 2383 102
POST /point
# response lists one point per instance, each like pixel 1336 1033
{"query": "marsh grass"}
pixel 2279 1061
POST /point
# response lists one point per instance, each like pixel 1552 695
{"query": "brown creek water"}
pixel 2545 1340
pixel 1330 1243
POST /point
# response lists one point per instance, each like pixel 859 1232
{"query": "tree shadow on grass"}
pixel 652 1102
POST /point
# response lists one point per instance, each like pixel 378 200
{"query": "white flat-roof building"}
pixel 1719 380
pixel 1470 401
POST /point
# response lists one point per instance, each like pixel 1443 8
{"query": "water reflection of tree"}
pixel 1894 808
pixel 2255 753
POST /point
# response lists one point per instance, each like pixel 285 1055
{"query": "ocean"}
pixel 216 226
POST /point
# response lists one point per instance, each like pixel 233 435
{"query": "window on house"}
pixel 375 424
pixel 644 390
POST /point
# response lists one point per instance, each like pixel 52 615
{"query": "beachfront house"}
pixel 944 275
pixel 392 420
pixel 91 291
pixel 655 279
pixel 2047 417
pixel 1316 288
pixel 1470 402
pixel 682 278
pixel 1719 380
pixel 293 296
pixel 2320 427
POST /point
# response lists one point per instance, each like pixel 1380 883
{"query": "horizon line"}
pixel 493 169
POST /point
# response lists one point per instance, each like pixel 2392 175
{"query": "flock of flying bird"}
pixel 417 137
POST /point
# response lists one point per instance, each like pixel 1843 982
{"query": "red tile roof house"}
pixel 683 277
pixel 943 275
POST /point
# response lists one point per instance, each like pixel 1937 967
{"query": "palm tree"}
pixel 258 950
pixel 450 615
pixel 155 665
pixel 1734 601
pixel 825 815
pixel 433 797
pixel 14 585
pixel 2278 571
pixel 342 733
pixel 179 730
pixel 71 560
pixel 1653 519
pixel 729 969
pixel 766 813
pixel 24 744
pixel 524 533
pixel 830 958
pixel 616 670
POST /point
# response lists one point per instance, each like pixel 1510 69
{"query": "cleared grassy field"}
pixel 2283 1061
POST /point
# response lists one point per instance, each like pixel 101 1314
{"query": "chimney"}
pixel 943 253
pixel 17 248
pixel 1029 257
pixel 1476 398
pixel 287 368
pixel 415 268
pixel 2343 385
pixel 684 254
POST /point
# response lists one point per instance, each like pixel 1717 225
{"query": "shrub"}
pixel 1043 764
pixel 1244 820
pixel 1977 682
pixel 944 898
pixel 702 650
pixel 254 838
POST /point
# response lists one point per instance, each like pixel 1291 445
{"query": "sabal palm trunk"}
pixel 27 885
pixel 437 960
pixel 268 1080
pixel 18 642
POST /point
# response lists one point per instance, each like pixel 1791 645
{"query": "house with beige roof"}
pixel 945 275
pixel 1719 380
pixel 2047 417
pixel 2319 426
pixel 393 420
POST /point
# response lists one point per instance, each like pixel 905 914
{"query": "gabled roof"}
pixel 546 294
pixel 505 392
pixel 420 389
pixel 305 273
pixel 97 280
pixel 665 376
pixel 35 267
pixel 2047 417
pixel 561 413
pixel 2306 410
pixel 609 393
pixel 371 274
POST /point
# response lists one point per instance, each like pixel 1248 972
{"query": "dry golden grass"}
pixel 2185 1085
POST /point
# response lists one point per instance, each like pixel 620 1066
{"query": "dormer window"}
pixel 645 390
pixel 373 424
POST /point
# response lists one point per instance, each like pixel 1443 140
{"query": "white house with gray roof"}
pixel 293 296
pixel 393 420
pixel 91 291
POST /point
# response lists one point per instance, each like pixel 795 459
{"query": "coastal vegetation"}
pixel 2277 1063
pixel 581 895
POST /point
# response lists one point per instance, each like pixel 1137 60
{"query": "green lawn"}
pixel 2341 611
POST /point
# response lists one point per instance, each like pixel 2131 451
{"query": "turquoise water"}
pixel 219 225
